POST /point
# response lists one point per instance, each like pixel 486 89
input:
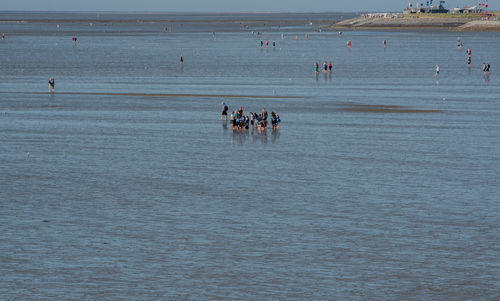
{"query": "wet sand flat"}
pixel 382 109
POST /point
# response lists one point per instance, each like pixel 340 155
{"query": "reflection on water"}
pixel 240 137
pixel 224 127
pixel 486 78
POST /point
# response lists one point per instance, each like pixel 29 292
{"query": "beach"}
pixel 449 22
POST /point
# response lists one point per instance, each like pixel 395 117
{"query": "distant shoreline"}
pixel 447 22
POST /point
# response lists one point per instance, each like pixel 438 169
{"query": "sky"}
pixel 224 5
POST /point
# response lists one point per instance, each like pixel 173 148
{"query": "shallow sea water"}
pixel 150 196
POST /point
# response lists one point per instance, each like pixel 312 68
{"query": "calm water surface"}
pixel 131 197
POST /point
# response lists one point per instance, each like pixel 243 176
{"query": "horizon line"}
pixel 181 12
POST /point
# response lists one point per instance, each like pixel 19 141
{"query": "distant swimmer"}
pixel 469 60
pixel 437 70
pixel 52 85
pixel 469 51
pixel 349 43
pixel 330 66
pixel 182 60
pixel 459 43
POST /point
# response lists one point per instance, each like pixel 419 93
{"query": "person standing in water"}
pixel 330 66
pixel 182 60
pixel 437 70
pixel 3 36
pixel 486 68
pixel 384 43
pixel 316 67
pixel 469 57
pixel 52 85
pixel 224 111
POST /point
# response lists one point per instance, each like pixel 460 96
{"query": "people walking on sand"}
pixel 437 70
pixel 52 85
pixel 224 111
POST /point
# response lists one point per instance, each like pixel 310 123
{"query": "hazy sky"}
pixel 221 5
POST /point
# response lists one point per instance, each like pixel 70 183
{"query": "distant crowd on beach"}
pixel 240 121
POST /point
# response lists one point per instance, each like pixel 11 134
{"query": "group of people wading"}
pixel 240 121
pixel 327 67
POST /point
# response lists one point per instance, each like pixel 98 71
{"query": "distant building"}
pixel 428 7
pixel 467 10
